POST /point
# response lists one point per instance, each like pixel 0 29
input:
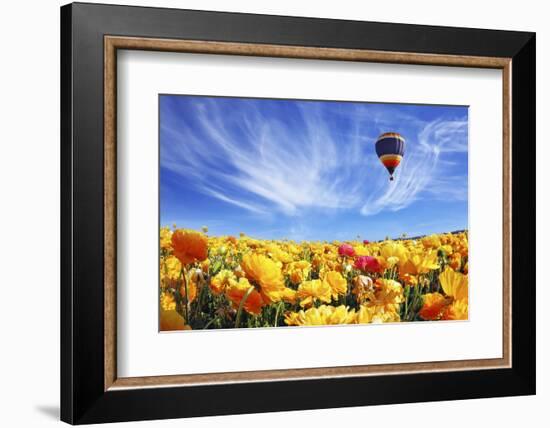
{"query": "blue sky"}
pixel 308 170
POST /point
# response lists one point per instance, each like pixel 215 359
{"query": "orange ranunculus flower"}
pixel 455 260
pixel 191 288
pixel 409 279
pixel 266 274
pixel 189 246
pixel 171 320
pixel 458 310
pixel 308 276
pixel 236 292
pixel 434 304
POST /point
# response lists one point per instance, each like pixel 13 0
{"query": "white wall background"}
pixel 29 214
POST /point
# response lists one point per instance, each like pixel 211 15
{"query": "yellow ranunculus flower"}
pixel 323 315
pixel 392 261
pixel 388 291
pixel 454 284
pixel 371 313
pixel 289 295
pixel 308 291
pixel 315 316
pixel 167 301
pixel 393 250
pixel 365 314
pixel 165 238
pixel 342 315
pixel 300 280
pixel 447 249
pixel 298 271
pixel 221 280
pixel 388 296
pixel 172 268
pixel 278 254
pixel 432 241
pixel 338 285
pixel 295 318
pixel 417 264
pixel 361 250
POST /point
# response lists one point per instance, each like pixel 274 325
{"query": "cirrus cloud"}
pixel 287 158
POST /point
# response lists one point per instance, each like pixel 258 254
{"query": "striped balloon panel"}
pixel 390 145
pixel 391 161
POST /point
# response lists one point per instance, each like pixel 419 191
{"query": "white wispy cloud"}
pixel 422 169
pixel 320 157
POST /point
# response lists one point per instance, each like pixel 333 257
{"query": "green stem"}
pixel 186 296
pixel 277 314
pixel 208 323
pixel 240 310
pixel 407 290
pixel 415 301
pixel 200 299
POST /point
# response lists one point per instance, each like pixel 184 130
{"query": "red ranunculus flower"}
pixel 346 250
pixel 367 263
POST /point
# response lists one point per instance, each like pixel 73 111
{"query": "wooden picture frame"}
pixel 91 390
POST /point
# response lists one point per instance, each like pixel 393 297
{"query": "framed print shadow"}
pixel 265 213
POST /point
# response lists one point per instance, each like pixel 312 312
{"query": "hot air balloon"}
pixel 390 147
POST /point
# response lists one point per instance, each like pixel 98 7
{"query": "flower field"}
pixel 209 282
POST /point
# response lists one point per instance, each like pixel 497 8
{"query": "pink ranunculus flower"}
pixel 346 250
pixel 366 241
pixel 367 263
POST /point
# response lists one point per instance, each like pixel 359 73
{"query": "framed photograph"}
pixel 265 213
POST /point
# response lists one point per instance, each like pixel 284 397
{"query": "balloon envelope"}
pixel 390 148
